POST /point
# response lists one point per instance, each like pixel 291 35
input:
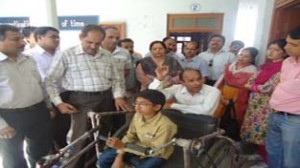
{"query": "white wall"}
pixel 145 19
pixel 263 28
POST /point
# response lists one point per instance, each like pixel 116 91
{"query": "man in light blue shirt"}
pixel 191 60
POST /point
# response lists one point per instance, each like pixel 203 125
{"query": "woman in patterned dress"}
pixel 262 84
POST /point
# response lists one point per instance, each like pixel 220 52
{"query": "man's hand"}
pixel 66 108
pixel 7 133
pixel 114 142
pixel 169 103
pixel 161 72
pixel 121 104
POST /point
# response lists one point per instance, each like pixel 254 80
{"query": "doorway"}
pixel 194 27
pixel 285 18
pixel 182 38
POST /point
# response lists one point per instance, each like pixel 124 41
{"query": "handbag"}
pixel 230 123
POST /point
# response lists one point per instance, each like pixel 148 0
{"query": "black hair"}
pixel 280 42
pixel 154 96
pixel 295 33
pixel 4 28
pixel 238 43
pixel 216 35
pixel 189 69
pixel 253 53
pixel 157 42
pixel 167 38
pixel 125 40
pixel 194 43
pixel 41 31
pixel 91 27
pixel 26 31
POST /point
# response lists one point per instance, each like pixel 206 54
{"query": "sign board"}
pixel 15 21
pixel 76 22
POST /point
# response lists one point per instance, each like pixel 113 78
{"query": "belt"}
pixel 90 93
pixel 285 113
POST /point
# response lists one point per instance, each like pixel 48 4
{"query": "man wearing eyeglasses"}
pixel 216 58
pixel 47 43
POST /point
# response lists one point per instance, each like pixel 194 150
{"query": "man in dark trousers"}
pixel 23 113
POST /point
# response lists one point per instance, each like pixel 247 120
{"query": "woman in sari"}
pixel 233 81
pixel 145 70
pixel 262 85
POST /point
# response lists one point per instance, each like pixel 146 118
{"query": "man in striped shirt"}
pixel 91 79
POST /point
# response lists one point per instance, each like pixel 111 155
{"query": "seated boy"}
pixel 148 128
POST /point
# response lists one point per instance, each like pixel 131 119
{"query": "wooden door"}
pixel 285 18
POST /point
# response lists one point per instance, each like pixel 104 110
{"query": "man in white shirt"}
pixel 190 97
pixel 47 42
pixel 23 113
pixel 216 58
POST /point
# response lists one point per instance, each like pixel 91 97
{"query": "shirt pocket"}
pixel 149 134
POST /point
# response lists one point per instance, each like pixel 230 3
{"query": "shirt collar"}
pixel 154 118
pixel 20 57
pixel 39 49
pixel 79 50
pixel 191 60
pixel 293 61
pixel 2 56
pixel 184 90
pixel 220 51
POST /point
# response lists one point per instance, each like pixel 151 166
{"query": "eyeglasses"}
pixel 53 37
pixel 141 104
pixel 210 63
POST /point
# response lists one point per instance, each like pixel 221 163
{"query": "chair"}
pixel 190 126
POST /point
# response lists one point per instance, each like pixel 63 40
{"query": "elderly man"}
pixel 23 113
pixel 90 77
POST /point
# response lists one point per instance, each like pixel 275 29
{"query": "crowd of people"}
pixel 45 93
